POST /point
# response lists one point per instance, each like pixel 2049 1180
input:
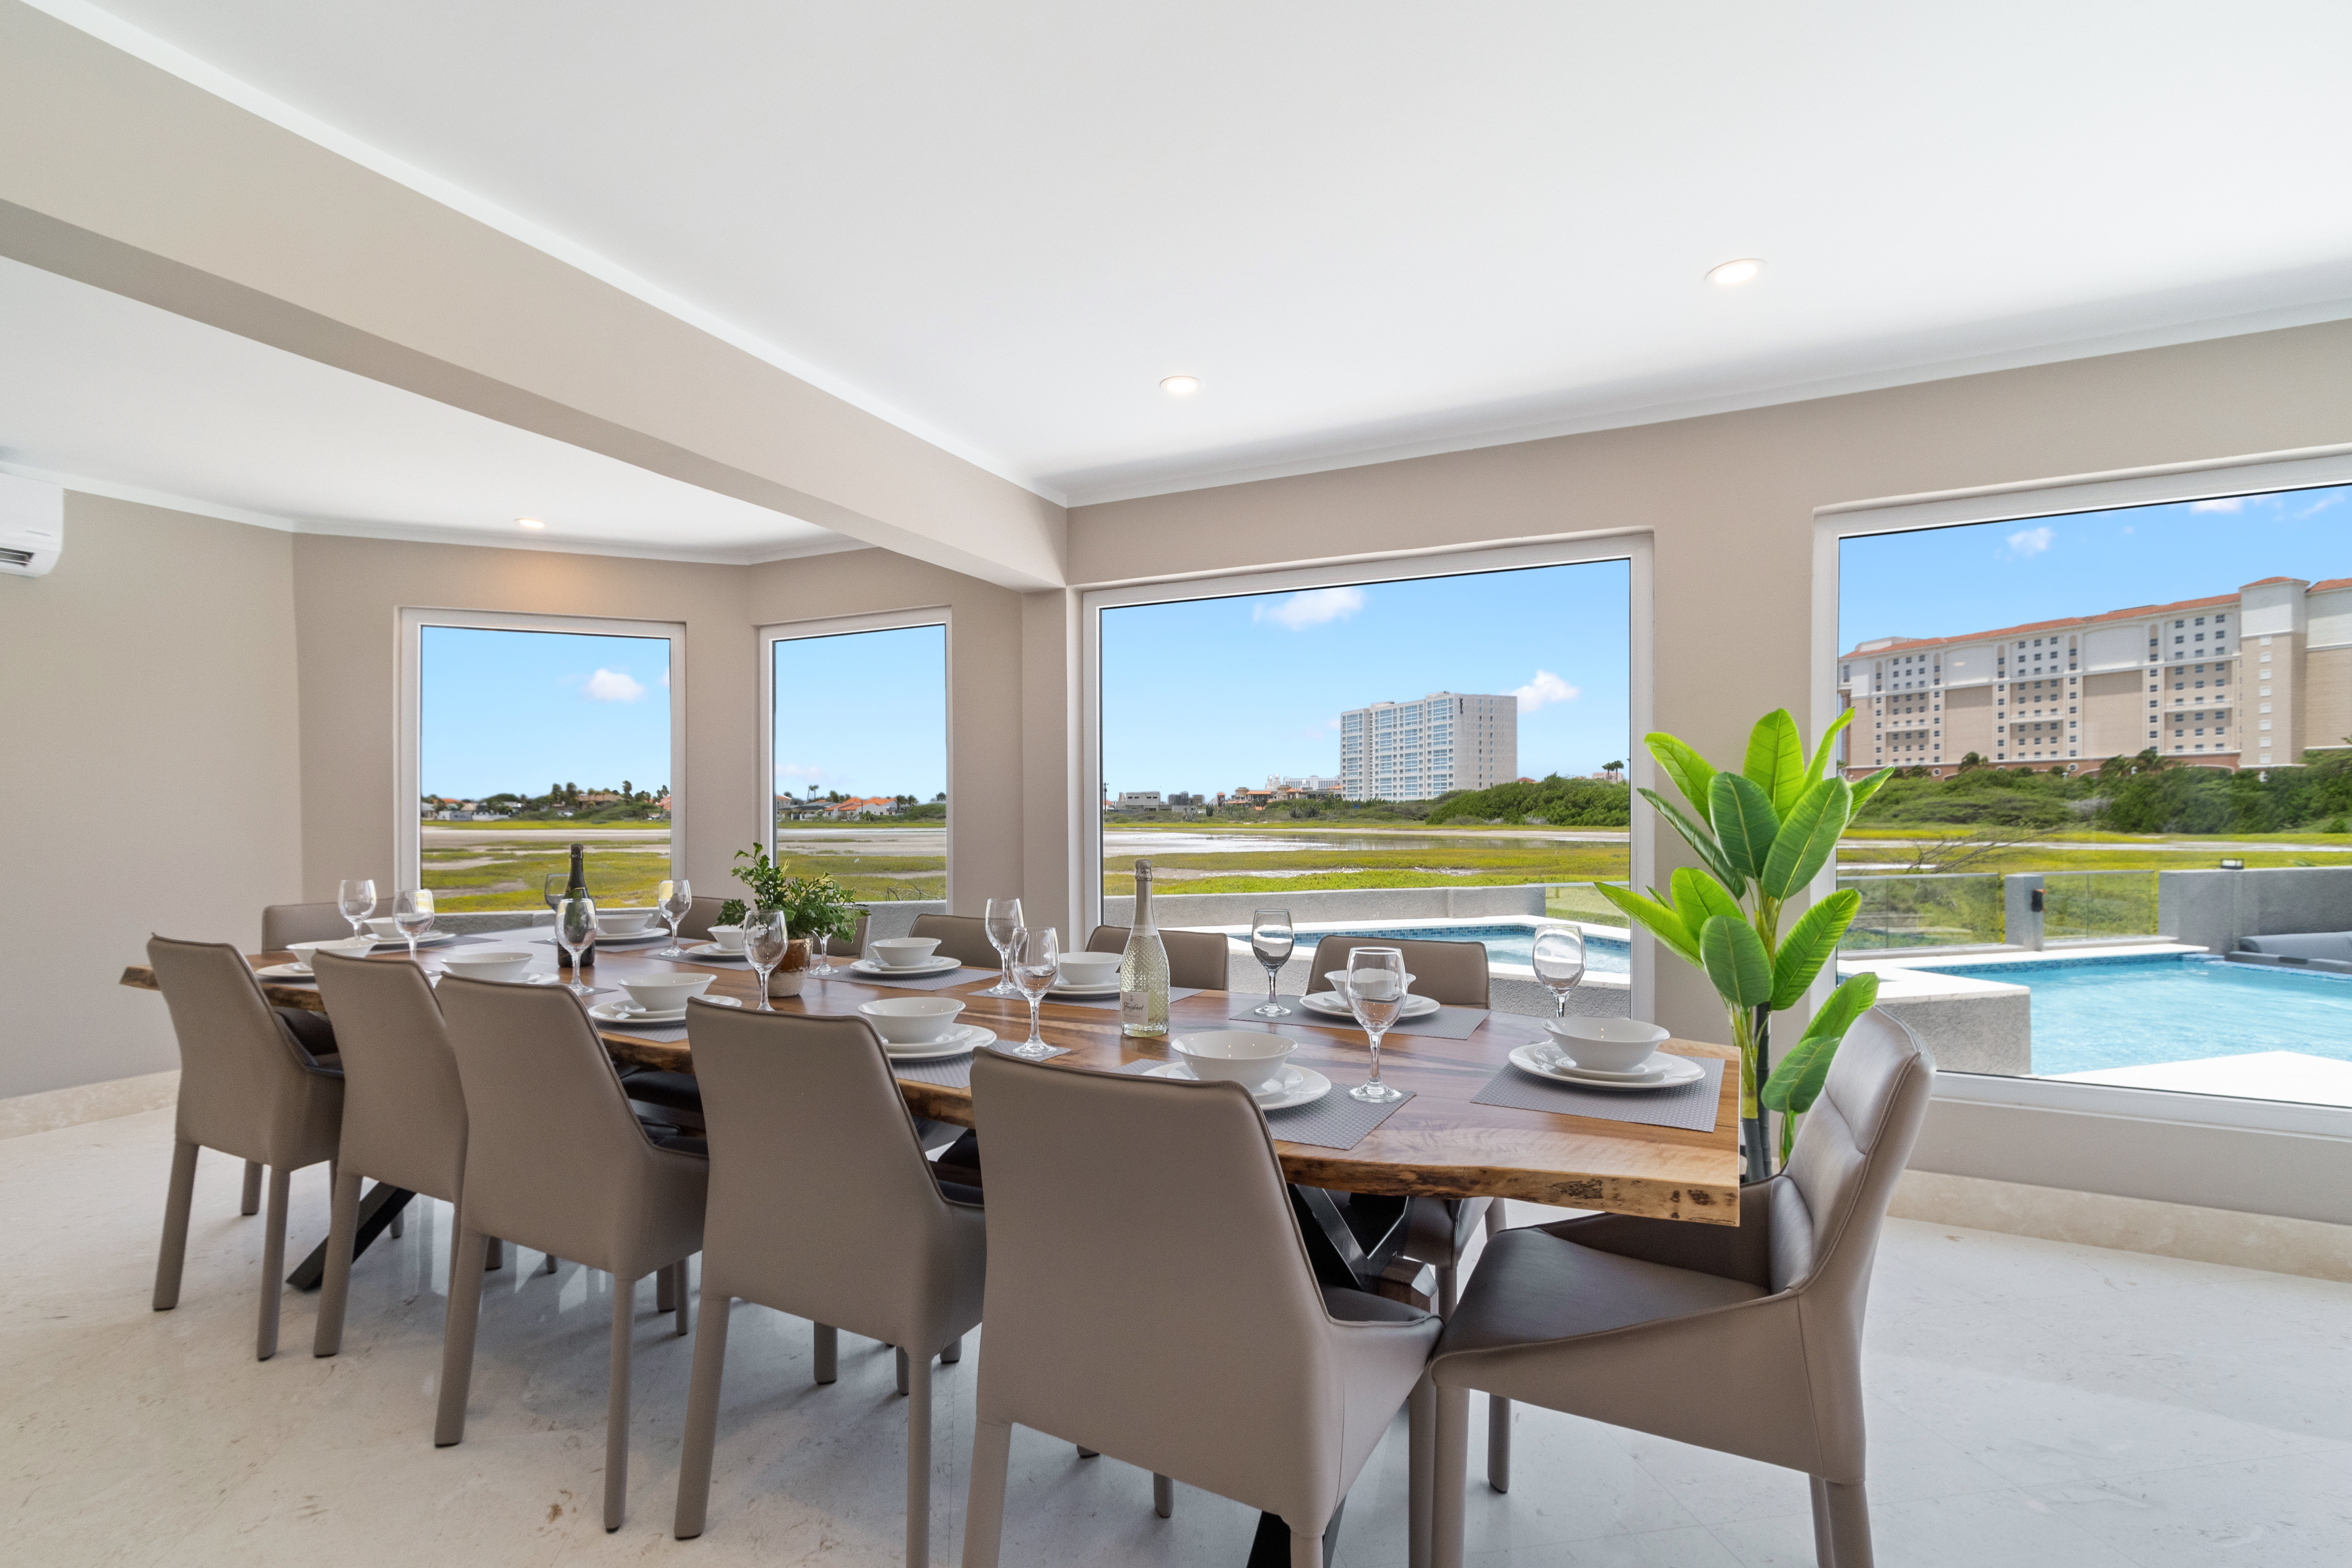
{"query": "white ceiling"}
pixel 1369 228
pixel 107 393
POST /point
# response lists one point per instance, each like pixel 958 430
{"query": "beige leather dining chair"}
pixel 555 1160
pixel 963 938
pixel 1201 960
pixel 1149 1297
pixel 1451 974
pixel 283 925
pixel 247 1088
pixel 869 1241
pixel 1747 1341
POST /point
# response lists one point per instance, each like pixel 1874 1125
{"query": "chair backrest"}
pixel 554 1158
pixel 1451 974
pixel 815 1164
pixel 1149 1293
pixel 283 925
pixel 245 1087
pixel 963 938
pixel 1198 959
pixel 404 1107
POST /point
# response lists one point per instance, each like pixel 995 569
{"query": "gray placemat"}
pixel 1001 1048
pixel 1691 1106
pixel 954 1073
pixel 1175 993
pixel 962 976
pixel 1445 1023
pixel 1335 1121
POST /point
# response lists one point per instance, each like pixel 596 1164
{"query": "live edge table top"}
pixel 1437 1143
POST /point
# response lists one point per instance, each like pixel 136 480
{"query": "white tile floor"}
pixel 2031 1404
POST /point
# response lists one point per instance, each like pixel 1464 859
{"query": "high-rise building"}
pixel 2243 680
pixel 1419 751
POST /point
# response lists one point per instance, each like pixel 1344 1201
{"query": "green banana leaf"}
pixel 1809 945
pixel 1698 898
pixel 1744 822
pixel 1700 839
pixel 1814 769
pixel 1797 1082
pixel 1776 760
pixel 1736 961
pixel 1654 916
pixel 1865 788
pixel 1692 774
pixel 1807 839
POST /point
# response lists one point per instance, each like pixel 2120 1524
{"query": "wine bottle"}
pixel 1143 968
pixel 576 887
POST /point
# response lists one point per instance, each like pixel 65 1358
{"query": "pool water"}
pixel 1504 943
pixel 2096 1013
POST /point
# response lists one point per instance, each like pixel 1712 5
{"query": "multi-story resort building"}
pixel 1419 751
pixel 2243 680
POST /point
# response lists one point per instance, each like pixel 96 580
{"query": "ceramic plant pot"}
pixel 792 972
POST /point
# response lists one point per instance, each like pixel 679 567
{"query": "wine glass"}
pixel 1002 924
pixel 1376 985
pixel 1271 938
pixel 356 898
pixel 412 914
pixel 1559 962
pixel 766 939
pixel 1036 956
pixel 553 889
pixel 575 929
pixel 674 899
pixel 821 962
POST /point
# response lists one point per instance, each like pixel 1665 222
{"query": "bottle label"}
pixel 1134 1008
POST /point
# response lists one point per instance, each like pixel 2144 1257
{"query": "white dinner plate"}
pixel 1090 992
pixel 1667 1072
pixel 712 949
pixel 962 1040
pixel 285 971
pixel 1331 1004
pixel 1292 1086
pixel 905 972
pixel 626 1012
pixel 659 933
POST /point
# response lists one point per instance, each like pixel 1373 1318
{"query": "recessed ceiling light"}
pixel 1180 386
pixel 1734 272
pixel 528 523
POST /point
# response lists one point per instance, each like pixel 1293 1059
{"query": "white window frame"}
pixel 2261 473
pixel 940 616
pixel 1633 547
pixel 407 744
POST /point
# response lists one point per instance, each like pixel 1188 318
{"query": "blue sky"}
pixel 865 713
pixel 1949 582
pixel 517 711
pixel 1209 694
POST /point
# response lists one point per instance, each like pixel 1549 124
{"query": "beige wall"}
pixel 149 757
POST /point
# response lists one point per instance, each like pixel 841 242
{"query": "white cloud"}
pixel 1331 724
pixel 1543 690
pixel 2321 505
pixel 1313 608
pixel 2028 541
pixel 613 686
pixel 802 773
pixel 2218 503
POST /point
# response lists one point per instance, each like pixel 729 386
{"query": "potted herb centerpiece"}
pixel 812 905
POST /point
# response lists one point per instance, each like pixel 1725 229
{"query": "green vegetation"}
pixel 2147 794
pixel 1553 800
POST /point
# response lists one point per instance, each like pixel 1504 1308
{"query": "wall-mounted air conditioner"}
pixel 32 526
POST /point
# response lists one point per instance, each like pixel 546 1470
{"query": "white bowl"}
pixel 901 952
pixel 1236 1056
pixel 624 922
pixel 727 938
pixel 912 1020
pixel 504 963
pixel 1606 1045
pixel 388 929
pixel 1337 979
pixel 665 993
pixel 358 947
pixel 1088 968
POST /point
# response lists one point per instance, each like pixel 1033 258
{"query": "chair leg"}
pixel 685 1308
pixel 1306 1551
pixel 399 1226
pixel 1086 1453
pixel 665 1289
pixel 828 1352
pixel 701 1421
pixel 901 1354
pixel 494 1257
pixel 984 1505
pixel 1498 1442
pixel 1448 1278
pixel 616 1410
pixel 919 1463
pixel 273 1263
pixel 171 1258
pixel 1825 1552
pixel 1849 1512
pixel 953 1353
pixel 1421 1455
pixel 1163 1494
pixel 336 1288
pixel 465 1255
pixel 1495 1217
pixel 548 1267
pixel 252 1200
pixel 1450 1465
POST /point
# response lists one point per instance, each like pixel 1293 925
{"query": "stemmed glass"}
pixel 575 929
pixel 1559 962
pixel 412 914
pixel 675 901
pixel 1376 986
pixel 766 939
pixel 1036 956
pixel 356 898
pixel 553 889
pixel 1271 938
pixel 821 962
pixel 1002 924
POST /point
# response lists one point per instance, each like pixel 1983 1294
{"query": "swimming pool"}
pixel 2135 1010
pixel 1504 943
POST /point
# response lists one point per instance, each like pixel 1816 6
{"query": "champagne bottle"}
pixel 1143 968
pixel 576 887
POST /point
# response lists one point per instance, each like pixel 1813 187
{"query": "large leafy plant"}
pixel 1762 834
pixel 812 905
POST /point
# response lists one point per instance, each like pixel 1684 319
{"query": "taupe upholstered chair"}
pixel 1452 973
pixel 963 938
pixel 1747 1341
pixel 696 926
pixel 555 1160
pixel 870 1240
pixel 283 925
pixel 1149 1297
pixel 249 1088
pixel 1201 960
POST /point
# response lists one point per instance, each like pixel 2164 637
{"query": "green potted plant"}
pixel 1762 834
pixel 812 905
